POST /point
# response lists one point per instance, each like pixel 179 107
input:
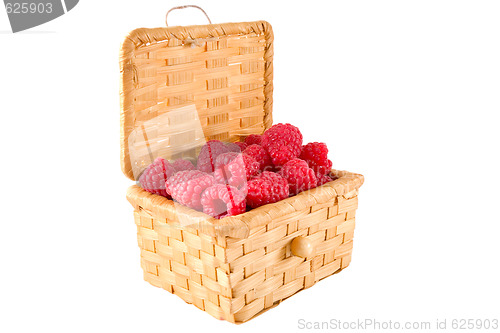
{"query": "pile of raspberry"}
pixel 230 178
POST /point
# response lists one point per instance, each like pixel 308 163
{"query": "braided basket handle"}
pixel 186 6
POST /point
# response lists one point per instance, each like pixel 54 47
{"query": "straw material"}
pixel 220 76
pixel 224 70
pixel 237 267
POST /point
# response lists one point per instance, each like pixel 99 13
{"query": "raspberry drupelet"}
pixel 316 156
pixel 209 153
pixel 186 187
pixel 223 200
pixel 283 142
pixel 268 187
pixel 156 174
pixel 299 176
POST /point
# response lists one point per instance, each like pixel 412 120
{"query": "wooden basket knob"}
pixel 302 247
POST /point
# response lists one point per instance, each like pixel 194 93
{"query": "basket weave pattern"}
pixel 237 278
pixel 239 266
pixel 225 70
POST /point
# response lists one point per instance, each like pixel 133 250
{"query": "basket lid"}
pixel 183 84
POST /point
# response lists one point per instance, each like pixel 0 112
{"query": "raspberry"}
pixel 154 177
pixel 186 187
pixel 182 165
pixel 283 142
pixel 260 155
pixel 272 176
pixel 253 139
pixel 323 179
pixel 233 147
pixel 242 145
pixel 299 176
pixel 316 156
pixel 266 188
pixel 209 153
pixel 223 200
pixel 281 155
pixel 235 169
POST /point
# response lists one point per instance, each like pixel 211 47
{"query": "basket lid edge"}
pixel 139 36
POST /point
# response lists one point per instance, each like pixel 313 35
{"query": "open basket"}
pixel 235 267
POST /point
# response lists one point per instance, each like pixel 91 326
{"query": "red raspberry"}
pixel 253 139
pixel 323 179
pixel 316 156
pixel 283 142
pixel 299 176
pixel 182 165
pixel 186 187
pixel 272 176
pixel 209 153
pixel 260 155
pixel 281 155
pixel 235 169
pixel 242 145
pixel 266 188
pixel 223 200
pixel 154 177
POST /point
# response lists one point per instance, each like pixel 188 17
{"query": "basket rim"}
pixel 146 36
pixel 239 226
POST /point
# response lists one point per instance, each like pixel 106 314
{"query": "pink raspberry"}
pixel 316 156
pixel 266 188
pixel 223 200
pixel 182 176
pixel 154 177
pixel 186 187
pixel 182 165
pixel 283 142
pixel 233 147
pixel 261 156
pixel 242 145
pixel 235 169
pixel 299 176
pixel 209 153
pixel 253 139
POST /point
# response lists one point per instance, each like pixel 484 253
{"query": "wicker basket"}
pixel 236 267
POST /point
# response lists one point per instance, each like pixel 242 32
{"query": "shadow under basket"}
pixel 239 266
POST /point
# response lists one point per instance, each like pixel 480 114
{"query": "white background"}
pixel 404 92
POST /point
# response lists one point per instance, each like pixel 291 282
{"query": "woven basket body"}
pixel 236 267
